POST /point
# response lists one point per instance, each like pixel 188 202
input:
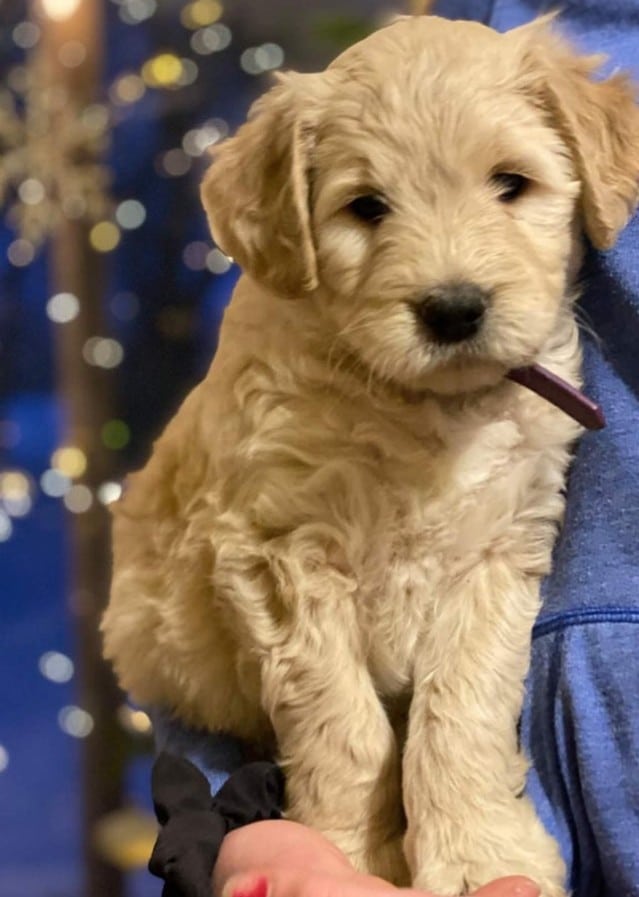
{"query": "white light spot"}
pixel 103 352
pixel 130 214
pixel 211 39
pixel 26 35
pixel 269 56
pixel 78 499
pixel 4 758
pixel 6 527
pixel 75 721
pixel 217 262
pixel 21 253
pixel 54 484
pixel 63 307
pixel 56 667
pixel 109 492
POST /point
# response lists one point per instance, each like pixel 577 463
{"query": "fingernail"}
pixel 256 887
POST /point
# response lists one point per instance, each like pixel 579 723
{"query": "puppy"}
pixel 337 543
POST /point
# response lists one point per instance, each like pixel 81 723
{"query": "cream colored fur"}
pixel 337 542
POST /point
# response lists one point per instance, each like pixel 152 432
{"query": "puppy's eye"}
pixel 369 208
pixel 510 186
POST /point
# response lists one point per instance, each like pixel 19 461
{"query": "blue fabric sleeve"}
pixel 580 727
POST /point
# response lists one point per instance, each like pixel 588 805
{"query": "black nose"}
pixel 454 312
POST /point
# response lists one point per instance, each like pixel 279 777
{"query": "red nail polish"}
pixel 259 888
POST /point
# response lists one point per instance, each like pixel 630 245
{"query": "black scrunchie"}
pixel 194 823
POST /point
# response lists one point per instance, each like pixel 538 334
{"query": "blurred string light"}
pixel 78 499
pixel 201 13
pixel 4 758
pixel 6 527
pixel 63 307
pixel 132 12
pixel 104 236
pixel 103 352
pixel 130 214
pixel 257 60
pixel 134 721
pixel 15 493
pixel 75 722
pixel 56 667
pixel 59 10
pixel 109 492
pixel 115 434
pixel 69 461
pixel 125 306
pixel 211 39
pixel 54 483
pixel 26 35
pixel 196 141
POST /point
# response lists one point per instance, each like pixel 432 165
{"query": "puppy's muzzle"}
pixel 453 312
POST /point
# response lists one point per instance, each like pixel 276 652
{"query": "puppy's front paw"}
pixel 516 845
pixel 384 859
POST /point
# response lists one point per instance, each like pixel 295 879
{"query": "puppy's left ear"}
pixel 597 119
pixel 256 192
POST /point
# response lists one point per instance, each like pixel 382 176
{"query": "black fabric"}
pixel 194 823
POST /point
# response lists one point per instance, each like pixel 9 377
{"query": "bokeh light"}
pixel 56 667
pixel 63 307
pixel 69 461
pixel 75 722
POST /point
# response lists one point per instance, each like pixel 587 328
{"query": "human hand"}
pixel 279 858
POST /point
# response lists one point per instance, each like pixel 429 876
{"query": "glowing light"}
pixel 72 54
pixel 54 484
pixel 102 352
pixel 4 758
pixel 164 70
pixel 78 499
pixel 63 307
pixel 201 13
pixel 127 89
pixel 21 253
pixel 115 434
pixel 211 39
pixel 104 236
pixel 175 163
pixel 134 11
pixel 15 492
pixel 6 527
pixel 130 214
pixel 75 722
pixel 31 191
pixel 56 667
pixel 198 140
pixel 256 60
pixel 189 74
pixel 217 262
pixel 135 721
pixel 109 492
pixel 26 35
pixel 195 255
pixel 59 10
pixel 69 461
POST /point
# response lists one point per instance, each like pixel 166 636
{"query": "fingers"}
pixel 296 881
pixel 512 886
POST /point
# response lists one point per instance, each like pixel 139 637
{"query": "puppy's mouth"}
pixel 561 394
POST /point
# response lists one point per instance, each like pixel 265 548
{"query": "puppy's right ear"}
pixel 256 192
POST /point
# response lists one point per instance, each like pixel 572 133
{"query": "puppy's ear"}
pixel 597 119
pixel 256 192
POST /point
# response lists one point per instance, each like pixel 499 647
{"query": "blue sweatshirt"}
pixel 580 724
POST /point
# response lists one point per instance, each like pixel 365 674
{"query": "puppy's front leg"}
pixel 464 774
pixel 335 742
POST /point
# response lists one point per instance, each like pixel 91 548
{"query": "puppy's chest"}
pixel 447 510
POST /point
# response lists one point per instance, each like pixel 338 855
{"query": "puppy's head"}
pixel 427 190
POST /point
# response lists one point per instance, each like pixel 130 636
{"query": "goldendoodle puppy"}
pixel 337 543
